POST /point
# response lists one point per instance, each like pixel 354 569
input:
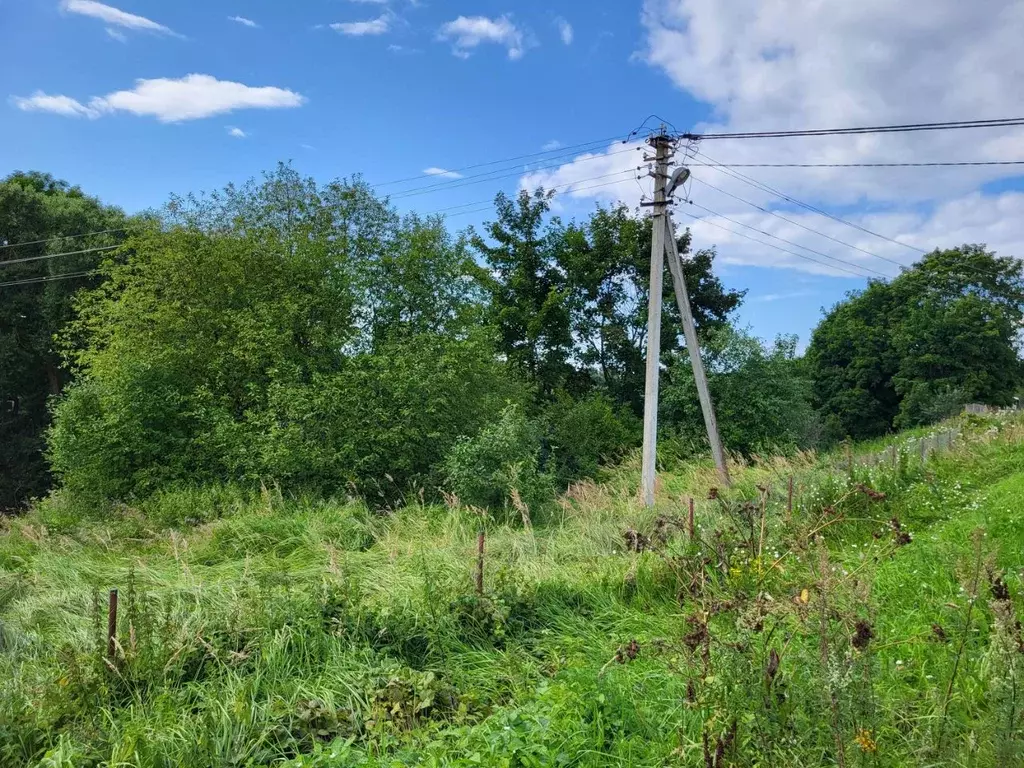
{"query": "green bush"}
pixel 584 434
pixel 501 461
pixel 250 340
pixel 761 395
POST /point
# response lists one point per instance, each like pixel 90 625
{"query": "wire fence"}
pixel 913 448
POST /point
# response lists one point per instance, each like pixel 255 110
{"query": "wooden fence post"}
pixel 480 563
pixel 789 500
pixel 112 627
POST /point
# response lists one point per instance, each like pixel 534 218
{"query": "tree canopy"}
pixel 308 334
pixel 945 332
pixel 47 216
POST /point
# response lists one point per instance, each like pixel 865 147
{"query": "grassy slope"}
pixel 267 630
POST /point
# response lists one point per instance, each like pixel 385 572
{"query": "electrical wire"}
pixel 63 237
pixel 796 223
pixel 47 279
pixel 563 187
pixel 570 149
pixel 790 242
pixel 864 165
pixel 905 128
pixel 770 245
pixel 563 192
pixel 469 181
pixel 772 191
pixel 55 255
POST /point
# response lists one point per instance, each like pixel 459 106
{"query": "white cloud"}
pixel 114 34
pixel 379 26
pixel 467 32
pixel 115 16
pixel 442 172
pixel 237 133
pixel 243 21
pixel 192 97
pixel 831 63
pixel 551 146
pixel 769 297
pixel 564 30
pixel 59 105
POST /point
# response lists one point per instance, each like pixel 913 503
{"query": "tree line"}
pixel 308 334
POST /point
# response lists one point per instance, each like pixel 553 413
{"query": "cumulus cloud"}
pixel 115 16
pixel 468 32
pixel 237 133
pixel 442 172
pixel 59 105
pixel 243 21
pixel 828 64
pixel 192 97
pixel 379 26
pixel 564 30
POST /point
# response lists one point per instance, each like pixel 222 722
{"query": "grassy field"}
pixel 874 623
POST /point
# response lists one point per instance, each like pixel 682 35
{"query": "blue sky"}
pixel 394 88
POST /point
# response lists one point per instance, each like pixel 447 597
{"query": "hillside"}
pixel 271 630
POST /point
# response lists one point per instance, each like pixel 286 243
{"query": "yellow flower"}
pixel 864 741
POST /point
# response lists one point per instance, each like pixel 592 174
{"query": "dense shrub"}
pixel 584 434
pixel 503 459
pixel 760 393
pixel 250 340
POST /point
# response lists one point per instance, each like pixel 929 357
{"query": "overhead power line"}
pixel 47 279
pixel 864 165
pixel 582 147
pixel 790 242
pixel 904 128
pixel 762 242
pixel 55 255
pixel 772 191
pixel 63 237
pixel 796 223
pixel 470 181
pixel 563 187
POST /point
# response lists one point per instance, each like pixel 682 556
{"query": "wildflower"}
pixel 865 741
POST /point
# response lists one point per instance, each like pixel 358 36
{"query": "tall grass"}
pixel 261 629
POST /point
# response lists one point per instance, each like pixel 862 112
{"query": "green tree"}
pixel 762 395
pixel 607 263
pixel 424 282
pixel 36 207
pixel 250 337
pixel 898 354
pixel 528 301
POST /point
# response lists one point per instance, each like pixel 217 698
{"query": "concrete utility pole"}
pixel 664 240
pixel 662 145
pixel 690 333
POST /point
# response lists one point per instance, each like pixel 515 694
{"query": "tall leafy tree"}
pixel 607 264
pixel 945 331
pixel 38 209
pixel 279 330
pixel 424 282
pixel 761 393
pixel 528 290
